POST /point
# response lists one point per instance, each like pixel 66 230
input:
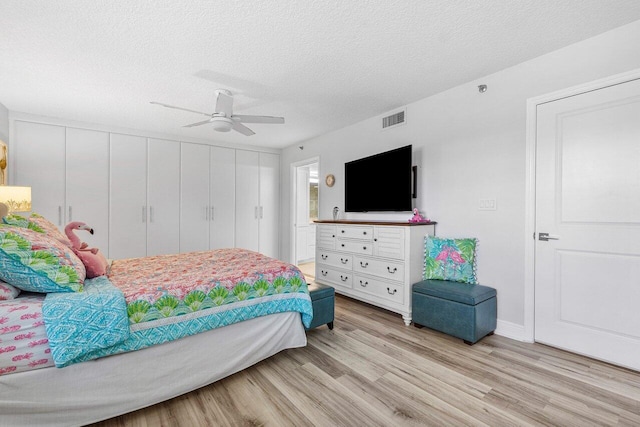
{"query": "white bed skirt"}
pixel 92 391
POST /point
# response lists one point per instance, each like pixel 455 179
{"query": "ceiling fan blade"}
pixel 242 129
pixel 224 102
pixel 259 119
pixel 204 122
pixel 179 108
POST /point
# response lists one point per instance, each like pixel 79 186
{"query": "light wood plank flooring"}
pixel 371 370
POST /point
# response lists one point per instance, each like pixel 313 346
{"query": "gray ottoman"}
pixel 458 309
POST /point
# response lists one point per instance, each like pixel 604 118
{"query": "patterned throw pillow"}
pixel 36 262
pixel 37 223
pixel 450 259
pixel 8 292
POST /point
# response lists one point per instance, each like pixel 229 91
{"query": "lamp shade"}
pixel 17 199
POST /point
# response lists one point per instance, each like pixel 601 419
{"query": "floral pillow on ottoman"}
pixel 450 259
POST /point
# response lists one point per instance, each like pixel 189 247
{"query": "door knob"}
pixel 546 236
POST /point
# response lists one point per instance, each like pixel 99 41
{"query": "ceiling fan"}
pixel 223 119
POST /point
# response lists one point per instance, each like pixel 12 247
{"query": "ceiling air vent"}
pixel 393 120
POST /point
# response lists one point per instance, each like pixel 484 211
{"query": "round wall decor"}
pixel 330 180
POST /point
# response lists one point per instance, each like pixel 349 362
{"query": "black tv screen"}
pixel 379 183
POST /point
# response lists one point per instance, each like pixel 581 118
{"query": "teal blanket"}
pixel 78 323
pixel 91 324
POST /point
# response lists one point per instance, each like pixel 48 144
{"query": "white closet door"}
pixel 163 195
pixel 39 151
pixel 247 197
pixel 194 197
pixel 87 177
pixel 269 204
pixel 128 196
pixel 223 198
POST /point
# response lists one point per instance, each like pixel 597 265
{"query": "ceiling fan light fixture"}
pixel 222 124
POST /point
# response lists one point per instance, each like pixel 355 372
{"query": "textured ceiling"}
pixel 320 64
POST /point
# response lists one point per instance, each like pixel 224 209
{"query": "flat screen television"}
pixel 379 183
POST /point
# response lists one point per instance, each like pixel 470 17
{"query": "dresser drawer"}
pixel 351 232
pixel 389 291
pixel 335 259
pixel 386 269
pixel 342 278
pixel 326 236
pixel 363 248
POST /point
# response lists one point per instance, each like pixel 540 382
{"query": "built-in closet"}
pixel 68 171
pixel 146 196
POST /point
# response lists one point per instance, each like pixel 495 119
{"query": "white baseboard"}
pixel 510 330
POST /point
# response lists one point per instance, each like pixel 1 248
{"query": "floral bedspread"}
pixel 164 298
pixel 172 285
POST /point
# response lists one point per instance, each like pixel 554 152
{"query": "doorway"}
pixel 585 257
pixel 305 210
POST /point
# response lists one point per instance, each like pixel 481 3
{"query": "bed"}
pixel 153 328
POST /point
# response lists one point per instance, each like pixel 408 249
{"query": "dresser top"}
pixel 357 222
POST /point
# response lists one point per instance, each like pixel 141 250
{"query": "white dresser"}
pixel 375 262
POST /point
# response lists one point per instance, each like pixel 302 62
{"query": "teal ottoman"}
pixel 458 309
pixel 323 300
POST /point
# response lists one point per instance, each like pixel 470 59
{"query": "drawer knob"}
pixel 342 231
pixel 344 278
pixel 364 232
pixel 342 245
pixel 364 285
pixel 392 271
pixel 375 240
pixel 344 261
pixel 324 273
pixel 333 235
pixel 364 265
pixel 323 256
pixel 391 293
pixel 364 248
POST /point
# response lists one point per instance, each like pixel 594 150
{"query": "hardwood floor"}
pixel 371 370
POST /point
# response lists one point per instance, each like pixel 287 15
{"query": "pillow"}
pixel 450 259
pixel 37 223
pixel 36 262
pixel 7 291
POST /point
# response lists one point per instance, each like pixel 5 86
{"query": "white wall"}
pixel 4 124
pixel 471 146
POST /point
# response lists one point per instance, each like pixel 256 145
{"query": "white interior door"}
pixel 128 197
pixel 302 212
pixel 87 189
pixel 222 217
pixel 588 200
pixel 194 197
pixel 163 193
pixel 41 164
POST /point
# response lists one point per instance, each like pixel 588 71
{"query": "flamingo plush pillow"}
pixel 450 259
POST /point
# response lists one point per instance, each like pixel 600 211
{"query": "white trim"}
pixel 530 185
pixel 292 202
pixel 511 330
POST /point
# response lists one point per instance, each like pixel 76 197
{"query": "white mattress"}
pixel 96 390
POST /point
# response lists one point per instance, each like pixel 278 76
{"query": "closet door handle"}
pixel 255 212
pixel 150 213
pixel 261 212
pixel 144 214
pixel 59 215
pixel 212 212
pixel 70 213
